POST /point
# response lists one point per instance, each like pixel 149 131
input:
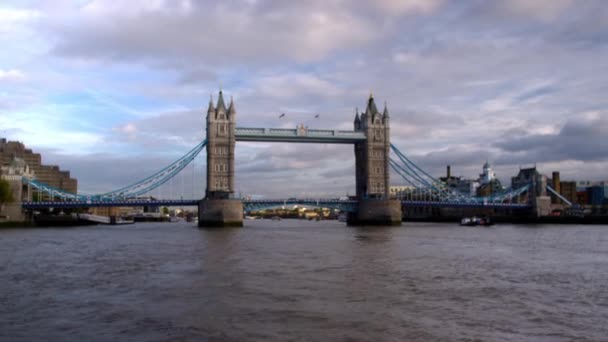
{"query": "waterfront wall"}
pixel 12 212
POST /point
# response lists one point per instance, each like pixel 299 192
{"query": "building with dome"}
pixel 488 183
pixel 487 175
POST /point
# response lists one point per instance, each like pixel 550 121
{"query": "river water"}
pixel 297 280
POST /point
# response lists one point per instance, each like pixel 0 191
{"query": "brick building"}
pixel 48 174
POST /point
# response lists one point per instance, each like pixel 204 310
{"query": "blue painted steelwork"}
pixel 437 204
pixel 553 191
pixel 114 203
pixel 52 191
pixel 299 135
pixel 249 205
pixel 427 186
pixel 131 191
pixel 159 178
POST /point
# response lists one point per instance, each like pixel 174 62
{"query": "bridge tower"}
pixel 217 209
pixel 371 156
pixel 372 168
pixel 221 128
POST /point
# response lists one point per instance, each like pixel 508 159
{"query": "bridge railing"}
pixel 301 200
pixel 321 132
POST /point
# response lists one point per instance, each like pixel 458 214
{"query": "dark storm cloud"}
pixel 581 139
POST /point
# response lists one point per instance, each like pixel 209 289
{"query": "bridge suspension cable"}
pixel 438 190
pixel 131 191
pixel 157 179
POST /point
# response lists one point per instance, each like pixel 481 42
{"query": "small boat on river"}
pixel 476 221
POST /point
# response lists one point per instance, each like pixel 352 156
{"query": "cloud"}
pixel 295 86
pixel 11 75
pixel 168 130
pixel 13 16
pixel 517 82
pixel 546 10
pixel 580 139
pixel 407 7
pixel 169 32
pixel 128 130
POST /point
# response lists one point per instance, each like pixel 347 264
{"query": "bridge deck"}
pixel 299 135
pixel 348 205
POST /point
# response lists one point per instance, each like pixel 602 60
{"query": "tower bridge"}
pixel 370 137
pixel 375 157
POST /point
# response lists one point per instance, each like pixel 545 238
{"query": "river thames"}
pixel 297 280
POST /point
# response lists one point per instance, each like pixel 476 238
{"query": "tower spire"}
pixel 221 106
pixel 371 109
pixel 385 115
pixel 211 109
pixel 231 109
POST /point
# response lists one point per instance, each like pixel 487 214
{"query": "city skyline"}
pixel 114 92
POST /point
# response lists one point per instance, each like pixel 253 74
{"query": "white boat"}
pixel 476 221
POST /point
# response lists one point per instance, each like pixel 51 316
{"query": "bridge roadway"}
pixel 344 205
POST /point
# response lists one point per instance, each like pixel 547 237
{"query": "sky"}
pixel 115 90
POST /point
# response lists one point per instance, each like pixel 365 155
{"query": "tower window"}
pixel 221 129
pixel 377 134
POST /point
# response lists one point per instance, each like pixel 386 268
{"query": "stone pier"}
pixel 217 213
pixel 377 212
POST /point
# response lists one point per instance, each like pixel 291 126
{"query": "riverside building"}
pixel 51 175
